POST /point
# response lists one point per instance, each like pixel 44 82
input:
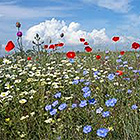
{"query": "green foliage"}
pixel 26 87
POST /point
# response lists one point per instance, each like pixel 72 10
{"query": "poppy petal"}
pixel 88 49
pixel 52 46
pixel 29 58
pixel 119 72
pixel 71 54
pixel 61 44
pixel 82 39
pixel 86 43
pixel 115 39
pixel 135 45
pixel 122 52
pixel 10 45
pixel 98 57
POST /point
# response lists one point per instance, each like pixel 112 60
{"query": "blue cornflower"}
pixel 82 80
pixel 87 129
pixel 53 111
pixel 97 77
pixel 71 60
pixel 57 95
pixel 107 52
pixel 120 56
pixel 83 103
pixel 129 91
pixel 96 73
pixel 92 101
pixel 87 83
pixel 130 68
pixel 118 60
pixel 135 71
pixel 85 89
pixel 125 62
pixel 62 106
pixel 75 82
pixel 48 107
pixel 106 114
pixel 107 95
pixel 128 79
pixel 99 110
pixel 107 57
pixel 55 103
pixel 139 72
pixel 85 72
pixel 111 76
pixel 74 105
pixel 87 94
pixel 111 102
pixel 102 132
pixel 138 55
pixel 134 107
pixel 120 66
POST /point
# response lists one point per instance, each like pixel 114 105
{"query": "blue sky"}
pixel 118 17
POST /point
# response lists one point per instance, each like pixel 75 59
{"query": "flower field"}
pixel 72 96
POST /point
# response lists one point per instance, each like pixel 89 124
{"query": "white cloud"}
pixel 53 28
pixel 114 5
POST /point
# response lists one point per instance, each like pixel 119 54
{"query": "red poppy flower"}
pixel 135 45
pixel 45 46
pixel 10 45
pixel 119 72
pixel 71 54
pixel 88 49
pixel 98 57
pixel 82 39
pixel 52 46
pixel 115 39
pixel 29 58
pixel 122 52
pixel 61 44
pixel 86 43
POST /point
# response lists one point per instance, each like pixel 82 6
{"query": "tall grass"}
pixel 26 87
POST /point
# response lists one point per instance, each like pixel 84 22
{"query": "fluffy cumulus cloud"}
pixel 51 29
pixel 98 39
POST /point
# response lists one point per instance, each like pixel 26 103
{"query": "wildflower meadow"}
pixel 46 94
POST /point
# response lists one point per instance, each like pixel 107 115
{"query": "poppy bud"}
pixel 62 35
pixel 19 34
pixel 82 40
pixel 18 24
pixel 45 46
